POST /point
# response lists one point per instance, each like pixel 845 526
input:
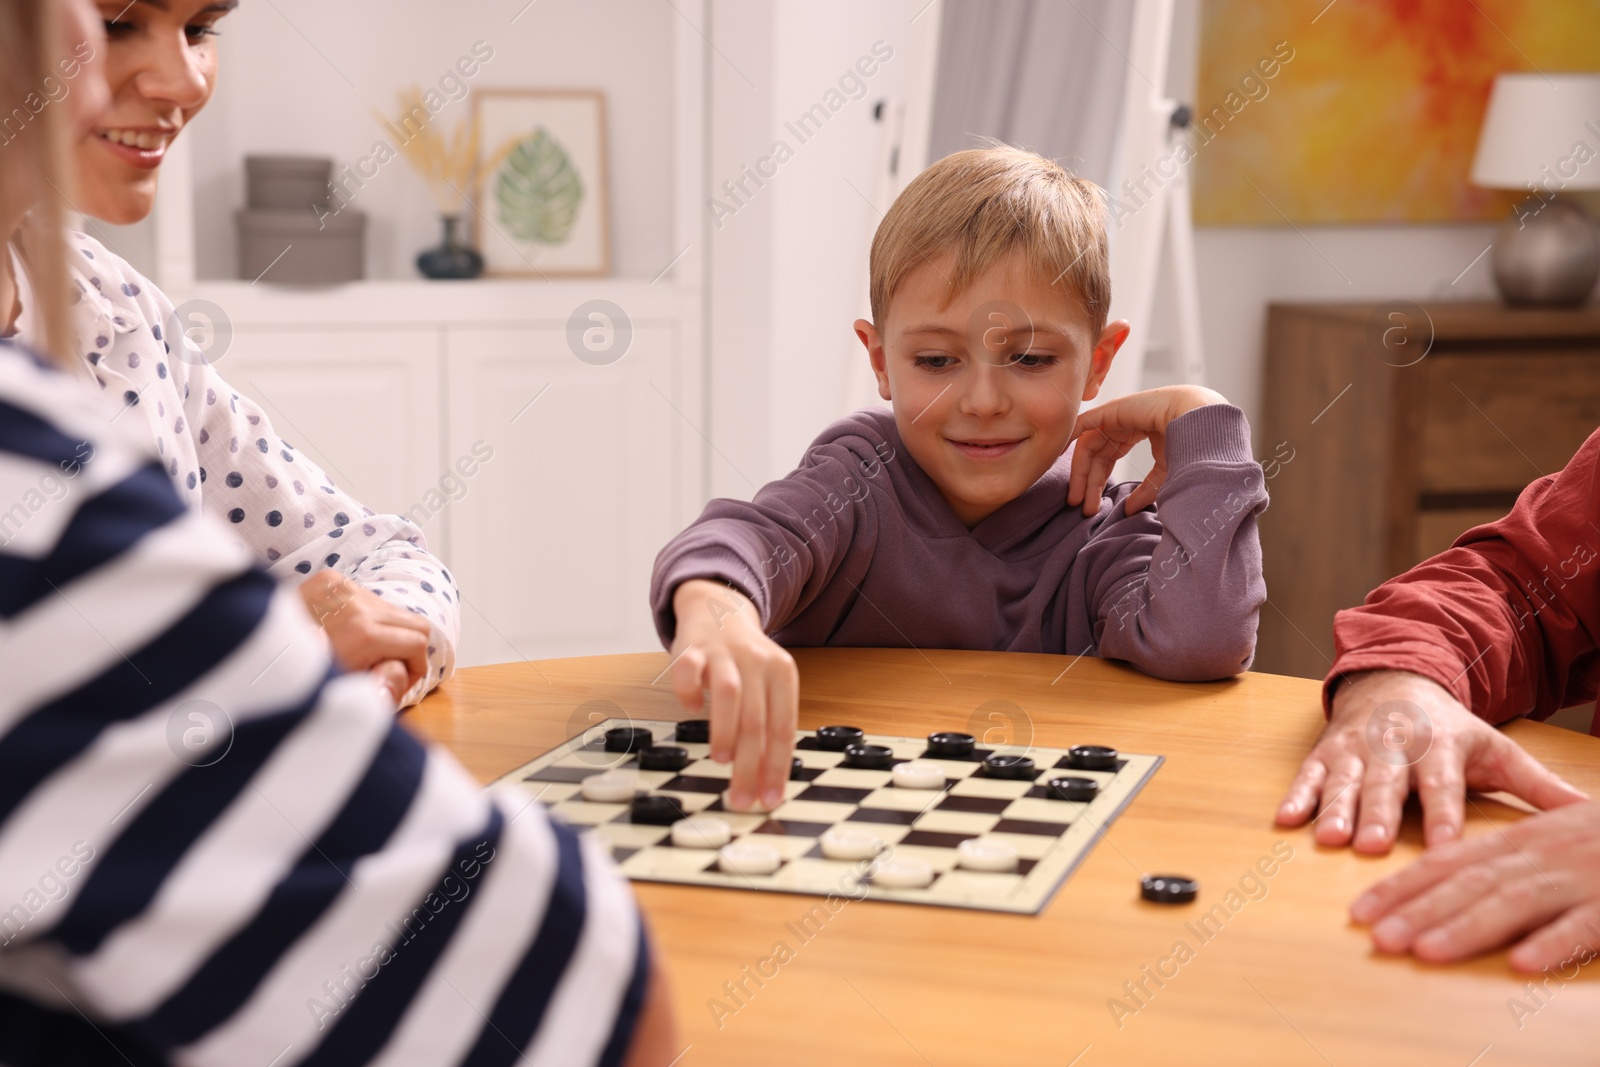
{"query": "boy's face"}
pixel 986 388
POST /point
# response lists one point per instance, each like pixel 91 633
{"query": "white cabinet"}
pixel 362 402
pixel 553 539
pixel 546 484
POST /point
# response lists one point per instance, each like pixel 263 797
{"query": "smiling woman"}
pixel 397 611
pixel 162 70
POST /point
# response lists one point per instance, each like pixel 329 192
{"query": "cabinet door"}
pixel 554 534
pixel 362 402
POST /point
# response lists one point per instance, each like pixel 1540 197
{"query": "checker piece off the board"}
pixel 940 820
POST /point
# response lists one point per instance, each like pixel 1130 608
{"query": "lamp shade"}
pixel 1533 129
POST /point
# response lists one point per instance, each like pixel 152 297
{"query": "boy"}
pixel 958 521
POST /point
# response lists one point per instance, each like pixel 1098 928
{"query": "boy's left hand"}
pixel 1109 432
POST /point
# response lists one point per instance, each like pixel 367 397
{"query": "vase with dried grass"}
pixel 447 168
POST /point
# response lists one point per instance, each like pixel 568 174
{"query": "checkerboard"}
pixel 1051 836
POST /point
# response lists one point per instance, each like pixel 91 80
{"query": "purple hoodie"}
pixel 857 548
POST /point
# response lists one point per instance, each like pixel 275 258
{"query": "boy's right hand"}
pixel 754 685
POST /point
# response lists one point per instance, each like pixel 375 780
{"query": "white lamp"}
pixel 1541 136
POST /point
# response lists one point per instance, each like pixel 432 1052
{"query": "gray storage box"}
pixel 299 248
pixel 286 183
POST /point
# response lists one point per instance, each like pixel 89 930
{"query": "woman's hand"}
pixel 1390 732
pixel 367 632
pixel 1540 875
pixel 755 687
pixel 1107 433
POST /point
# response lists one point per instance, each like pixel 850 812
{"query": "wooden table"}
pixel 1285 979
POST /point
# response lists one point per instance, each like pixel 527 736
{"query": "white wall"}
pixel 789 267
pixel 310 77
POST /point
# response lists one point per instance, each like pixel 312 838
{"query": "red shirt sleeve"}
pixel 1507 618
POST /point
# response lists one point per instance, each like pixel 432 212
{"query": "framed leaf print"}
pixel 540 198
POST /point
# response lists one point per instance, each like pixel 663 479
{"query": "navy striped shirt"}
pixel 214 848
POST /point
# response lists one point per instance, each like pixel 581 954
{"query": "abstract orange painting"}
pixel 1371 109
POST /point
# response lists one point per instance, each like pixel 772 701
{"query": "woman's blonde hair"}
pixel 984 203
pixel 35 159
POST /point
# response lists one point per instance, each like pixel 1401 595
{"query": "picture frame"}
pixel 540 188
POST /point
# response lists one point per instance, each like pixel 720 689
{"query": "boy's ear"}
pixel 874 345
pixel 1105 351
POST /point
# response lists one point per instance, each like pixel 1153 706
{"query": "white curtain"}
pixel 1042 74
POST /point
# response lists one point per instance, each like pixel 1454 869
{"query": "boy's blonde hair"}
pixel 984 203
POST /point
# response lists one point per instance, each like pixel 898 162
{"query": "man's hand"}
pixel 1540 875
pixel 755 687
pixel 367 632
pixel 1107 433
pixel 1390 732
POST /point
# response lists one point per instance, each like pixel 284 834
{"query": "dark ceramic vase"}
pixel 453 259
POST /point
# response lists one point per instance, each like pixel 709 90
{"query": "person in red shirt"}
pixel 1503 624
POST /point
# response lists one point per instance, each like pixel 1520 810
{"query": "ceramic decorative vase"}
pixel 454 258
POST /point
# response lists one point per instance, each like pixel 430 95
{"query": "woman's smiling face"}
pixel 161 65
pixel 986 386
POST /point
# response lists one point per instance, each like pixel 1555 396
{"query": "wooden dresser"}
pixel 1389 430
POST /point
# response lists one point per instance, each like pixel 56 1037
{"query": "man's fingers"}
pixel 1383 795
pixel 1431 868
pixel 1301 799
pixel 1445 901
pixel 1336 821
pixel 1441 787
pixel 1567 943
pixel 688 678
pixel 1518 903
pixel 1508 767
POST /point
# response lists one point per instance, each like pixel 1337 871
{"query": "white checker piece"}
pixel 1051 836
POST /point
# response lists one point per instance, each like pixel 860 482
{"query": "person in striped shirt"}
pixel 215 847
